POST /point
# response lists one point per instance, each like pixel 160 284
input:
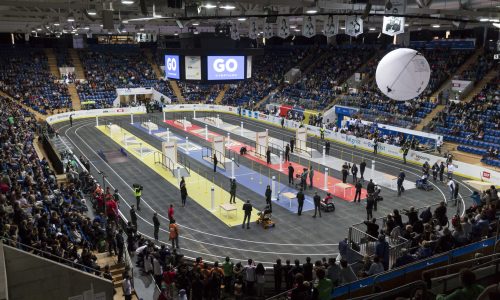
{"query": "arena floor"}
pixel 204 233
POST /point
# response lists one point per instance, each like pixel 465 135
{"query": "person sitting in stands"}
pixel 470 289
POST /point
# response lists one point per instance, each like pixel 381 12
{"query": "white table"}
pixel 343 186
pixel 228 207
pixel 290 196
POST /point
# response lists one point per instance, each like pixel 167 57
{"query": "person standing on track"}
pixel 287 152
pixel 375 146
pixel 71 120
pixel 401 179
pixel 317 203
pixel 300 201
pixel 441 172
pixel 362 167
pixel 354 172
pixel 370 202
pixel 247 208
pixel 290 174
pixel 268 195
pixel 171 212
pixel 138 193
pixel 435 170
pixel 345 172
pixel 283 122
pixel 215 162
pixel 184 192
pixel 156 224
pixel 292 144
pixel 358 188
pixel 232 191
pixel 173 234
pixel 327 147
pixel 133 216
pixel 268 156
pixel 322 132
pixel 405 149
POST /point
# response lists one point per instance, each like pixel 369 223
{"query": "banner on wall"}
pixel 393 25
pixel 283 27
pixel 353 25
pixel 193 67
pixel 331 25
pixel 309 26
pixel 253 30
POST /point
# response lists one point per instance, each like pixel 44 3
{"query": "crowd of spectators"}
pixel 110 67
pixel 25 75
pixel 476 71
pixel 204 93
pixel 63 58
pixel 37 214
pixel 475 124
pixel 267 74
pixel 317 87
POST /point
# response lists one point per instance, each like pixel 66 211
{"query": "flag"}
pixel 253 31
pixel 395 7
pixel 283 27
pixel 309 26
pixel 393 25
pixel 268 30
pixel 331 25
pixel 235 31
pixel 353 25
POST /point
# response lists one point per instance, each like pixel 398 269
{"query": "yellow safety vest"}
pixel 137 192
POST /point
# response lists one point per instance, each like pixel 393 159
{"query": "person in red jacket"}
pixel 111 210
pixel 171 212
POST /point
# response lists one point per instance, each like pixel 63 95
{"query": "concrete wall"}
pixel 33 277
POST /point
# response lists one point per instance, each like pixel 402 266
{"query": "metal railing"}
pixel 408 290
pixel 209 152
pixel 166 162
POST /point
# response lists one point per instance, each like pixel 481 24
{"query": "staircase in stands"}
pixel 221 94
pixel 471 60
pixel 77 63
pixel 116 269
pixel 52 61
pixel 75 99
pixel 159 74
pixel 481 84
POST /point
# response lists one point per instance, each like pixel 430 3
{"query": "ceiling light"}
pixel 484 20
pixel 497 25
pixel 494 20
pixel 293 26
pixel 436 25
pixel 127 2
pixel 176 33
pixel 34 31
pixel 196 24
pixel 87 27
pixel 39 29
pixel 71 18
pixel 242 19
pixel 209 6
pixel 56 24
pixel 343 28
pixel 196 32
pixel 227 7
pixel 261 32
pixel 141 29
pixel 406 25
pixel 372 29
pixel 91 12
pixel 311 11
pixel 76 33
pixel 101 25
pixel 297 30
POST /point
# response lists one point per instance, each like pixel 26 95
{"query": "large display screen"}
pixel 193 67
pixel 225 67
pixel 172 67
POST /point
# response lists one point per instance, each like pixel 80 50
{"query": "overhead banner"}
pixel 283 27
pixel 172 66
pixel 353 25
pixel 393 25
pixel 253 31
pixel 235 31
pixel 331 25
pixel 309 26
pixel 397 7
pixel 193 67
pixel 249 67
pixel 268 30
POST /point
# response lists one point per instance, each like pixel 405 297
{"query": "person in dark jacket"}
pixel 232 191
pixel 372 228
pixel 278 276
pixel 133 215
pixel 184 193
pixel 401 179
pixel 382 251
pixel 287 152
pixel 370 187
pixel 292 144
pixel 268 195
pixel 327 148
pixel 354 172
pixel 216 161
pixel 156 224
pixel 317 203
pixel 120 244
pixel 441 171
pixel 247 207
pixel 345 172
pixel 358 188
pixel 287 271
pixel 291 170
pixel 300 201
pixel 370 201
pixel 307 268
pixel 268 156
pixel 362 167
pixel 426 215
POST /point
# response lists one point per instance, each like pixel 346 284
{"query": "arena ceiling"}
pixel 52 16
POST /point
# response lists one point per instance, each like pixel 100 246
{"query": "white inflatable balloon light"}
pixel 403 74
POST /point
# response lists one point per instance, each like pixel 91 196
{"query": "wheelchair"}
pixel 423 184
pixel 265 218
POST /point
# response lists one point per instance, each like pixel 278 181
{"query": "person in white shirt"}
pixel 250 277
pixel 127 287
pixel 451 187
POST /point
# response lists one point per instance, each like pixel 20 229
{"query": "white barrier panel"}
pixel 92 113
pixel 301 139
pixel 218 145
pixel 169 149
pixel 149 125
pixel 262 142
